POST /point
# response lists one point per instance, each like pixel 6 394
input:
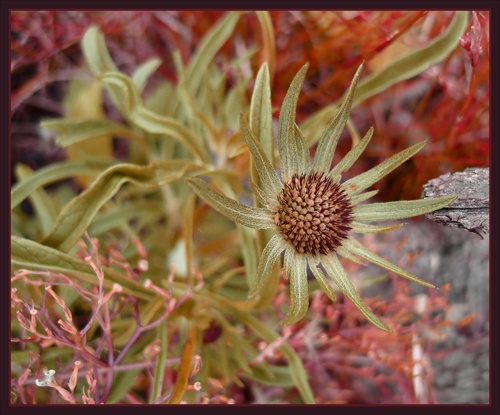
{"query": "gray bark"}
pixel 470 211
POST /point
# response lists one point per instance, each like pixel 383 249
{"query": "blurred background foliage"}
pixel 161 101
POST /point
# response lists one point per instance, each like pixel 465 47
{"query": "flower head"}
pixel 313 212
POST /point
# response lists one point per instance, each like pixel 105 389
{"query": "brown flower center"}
pixel 314 214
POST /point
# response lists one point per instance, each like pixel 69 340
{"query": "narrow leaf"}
pixel 71 131
pixel 330 137
pixel 268 52
pixel 207 49
pixel 144 71
pixel 268 258
pixel 358 249
pixel 54 173
pixel 400 69
pixel 357 227
pixel 29 254
pixel 133 109
pixel 366 179
pixel 266 172
pixel 351 157
pixel 287 137
pixel 77 215
pixel 42 203
pixel 299 291
pixel 322 280
pixel 361 197
pixel 161 362
pixel 253 217
pixel 95 51
pixel 337 273
pixel 302 165
pixel 374 212
pixel 344 253
pixel 261 112
pixel 297 370
pixel 415 62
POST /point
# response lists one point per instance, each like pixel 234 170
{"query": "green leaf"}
pixel 188 213
pixel 133 109
pixel 253 217
pixel 336 271
pixel 147 211
pixel 297 371
pixel 274 375
pixel 208 48
pixel 54 173
pixel 374 212
pixel 366 179
pixel 29 255
pixel 144 71
pixel 72 131
pixel 268 40
pixel 77 215
pixel 330 137
pixel 357 249
pixel 95 51
pixel 299 291
pixel 399 70
pixel 415 62
pixel 161 363
pixel 289 144
pixel 42 203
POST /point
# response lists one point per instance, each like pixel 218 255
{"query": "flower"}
pixel 312 212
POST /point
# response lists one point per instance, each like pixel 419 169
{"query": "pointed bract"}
pixel 299 291
pixel 330 137
pixel 337 273
pixel 258 218
pixel 289 144
pixel 366 179
pixel 374 212
pixel 269 256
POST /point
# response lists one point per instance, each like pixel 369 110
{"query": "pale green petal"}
pixel 399 210
pixel 361 197
pixel 258 218
pixel 321 278
pixel 358 249
pixel 344 253
pixel 299 291
pixel 267 174
pixel 289 144
pixel 366 179
pixel 270 254
pixel 351 157
pixel 330 137
pixel 365 228
pixel 334 268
